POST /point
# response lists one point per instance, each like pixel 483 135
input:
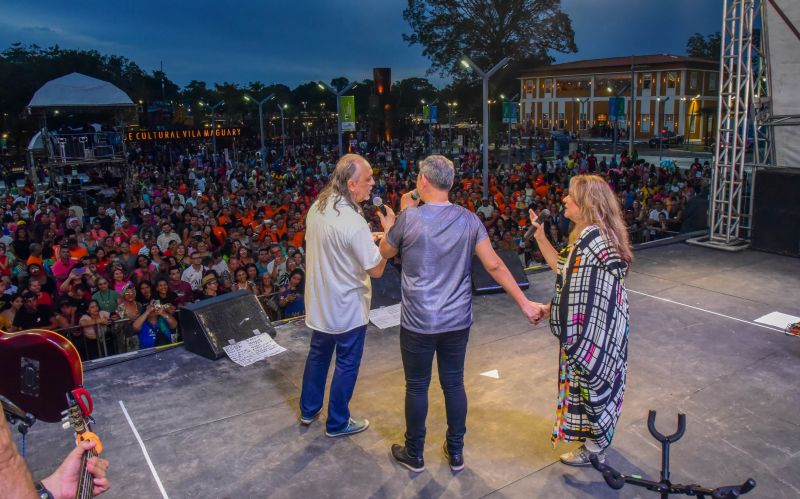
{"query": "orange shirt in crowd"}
pixel 78 252
pixel 134 249
pixel 298 239
pixel 219 233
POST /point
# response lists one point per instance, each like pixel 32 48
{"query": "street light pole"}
pixel 582 102
pixel 513 99
pixel 660 134
pixel 283 132
pixel 467 62
pixel 338 94
pixel 214 127
pixel 261 121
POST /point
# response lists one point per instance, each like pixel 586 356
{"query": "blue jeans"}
pixel 349 347
pixel 417 350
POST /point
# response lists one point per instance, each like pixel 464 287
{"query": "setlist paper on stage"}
pixel 251 350
pixel 385 317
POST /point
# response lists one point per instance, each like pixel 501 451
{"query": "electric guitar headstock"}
pixel 79 417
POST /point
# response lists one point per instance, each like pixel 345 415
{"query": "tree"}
pixel 487 31
pixel 708 47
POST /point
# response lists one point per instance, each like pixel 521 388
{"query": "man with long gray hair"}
pixel 437 241
pixel 341 256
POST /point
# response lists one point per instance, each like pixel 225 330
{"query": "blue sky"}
pixel 302 40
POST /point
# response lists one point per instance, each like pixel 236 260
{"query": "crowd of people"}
pixel 183 227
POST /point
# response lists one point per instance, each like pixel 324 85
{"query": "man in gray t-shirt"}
pixel 437 241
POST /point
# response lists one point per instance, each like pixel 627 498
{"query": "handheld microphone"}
pixel 415 195
pixel 544 215
pixel 377 202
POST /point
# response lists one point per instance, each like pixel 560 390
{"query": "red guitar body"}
pixel 37 369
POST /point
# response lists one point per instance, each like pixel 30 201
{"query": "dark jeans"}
pixel 450 349
pixel 349 347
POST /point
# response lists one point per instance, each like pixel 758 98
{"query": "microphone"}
pixel 377 202
pixel 415 195
pixel 544 215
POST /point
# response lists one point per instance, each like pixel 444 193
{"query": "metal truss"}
pixel 743 142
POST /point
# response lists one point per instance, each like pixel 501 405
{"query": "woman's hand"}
pixel 535 222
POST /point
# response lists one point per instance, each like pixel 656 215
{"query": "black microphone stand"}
pixel 665 487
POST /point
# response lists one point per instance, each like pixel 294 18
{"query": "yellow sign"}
pixel 204 133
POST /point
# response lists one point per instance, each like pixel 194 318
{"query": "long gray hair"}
pixel 346 168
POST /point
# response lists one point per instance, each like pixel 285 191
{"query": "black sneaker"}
pixel 456 461
pixel 401 455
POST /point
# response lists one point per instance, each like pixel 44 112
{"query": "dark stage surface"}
pixel 214 429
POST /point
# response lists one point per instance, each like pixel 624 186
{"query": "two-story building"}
pixel 671 92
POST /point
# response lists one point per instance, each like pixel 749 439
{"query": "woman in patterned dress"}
pixel 589 316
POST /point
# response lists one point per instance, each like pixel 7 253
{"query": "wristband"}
pixel 42 491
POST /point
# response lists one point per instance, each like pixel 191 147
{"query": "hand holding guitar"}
pixel 63 483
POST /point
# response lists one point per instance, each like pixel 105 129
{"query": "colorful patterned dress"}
pixel 589 315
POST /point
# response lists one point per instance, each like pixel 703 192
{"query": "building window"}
pixel 692 123
pixel 693 80
pixel 546 121
pixel 582 121
pixel 647 81
pixel 561 125
pixel 548 86
pixel 672 77
pixel 645 127
pixel 669 123
pixel 712 82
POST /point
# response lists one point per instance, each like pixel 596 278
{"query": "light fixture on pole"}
pixel 338 94
pixel 510 122
pixel 261 121
pixel 450 106
pixel 467 63
pixel 283 131
pixel 660 132
pixel 581 113
pixel 214 127
pixel 430 128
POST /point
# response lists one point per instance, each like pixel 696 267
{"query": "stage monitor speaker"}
pixel 386 289
pixel 482 282
pixel 776 212
pixel 209 325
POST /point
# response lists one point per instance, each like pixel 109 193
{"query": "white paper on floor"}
pixel 778 319
pixel 491 374
pixel 251 350
pixel 385 317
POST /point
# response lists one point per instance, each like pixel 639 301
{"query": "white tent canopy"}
pixel 77 90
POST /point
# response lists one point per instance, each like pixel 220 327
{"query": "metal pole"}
pixel 339 114
pixel 632 126
pixel 485 137
pixel 261 130
pixel 283 135
pixel 214 133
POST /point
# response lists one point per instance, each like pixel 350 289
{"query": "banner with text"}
pixel 348 110
pixel 510 110
pixel 203 133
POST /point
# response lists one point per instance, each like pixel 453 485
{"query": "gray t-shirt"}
pixel 436 243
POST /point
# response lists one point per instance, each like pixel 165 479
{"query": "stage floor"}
pixel 213 429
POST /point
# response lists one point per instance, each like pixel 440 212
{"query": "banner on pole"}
pixel 510 110
pixel 616 107
pixel 348 109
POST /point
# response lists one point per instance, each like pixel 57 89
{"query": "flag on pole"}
pixel 348 110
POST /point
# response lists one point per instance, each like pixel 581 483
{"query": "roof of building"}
pixel 621 64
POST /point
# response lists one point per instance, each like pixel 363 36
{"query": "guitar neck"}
pixel 86 483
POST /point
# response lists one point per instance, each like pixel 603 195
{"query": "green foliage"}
pixel 704 48
pixel 487 31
